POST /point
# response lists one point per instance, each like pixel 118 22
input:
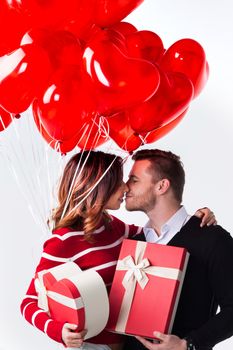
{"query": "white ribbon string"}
pixel 44 294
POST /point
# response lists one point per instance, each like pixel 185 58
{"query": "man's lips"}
pixel 122 199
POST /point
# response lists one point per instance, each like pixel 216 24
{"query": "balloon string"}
pixel 75 177
pixel 103 127
pixel 39 185
pixel 49 176
pixel 26 197
pixel 71 189
pixel 105 130
pixel 46 173
pixel 29 161
pixel 89 133
pixel 96 138
pixel 13 157
pixel 94 186
pixel 85 127
pixel 99 133
pixel 88 128
pixel 14 127
pixel 143 139
pixel 2 122
pixel 35 152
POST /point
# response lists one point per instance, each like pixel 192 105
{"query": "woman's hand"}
pixel 207 216
pixel 71 338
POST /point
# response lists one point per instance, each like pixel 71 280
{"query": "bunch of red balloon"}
pixel 80 68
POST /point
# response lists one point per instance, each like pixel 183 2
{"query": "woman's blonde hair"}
pixel 90 178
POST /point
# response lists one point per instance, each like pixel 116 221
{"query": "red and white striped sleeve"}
pixel 29 309
pixel 134 230
pixel 128 231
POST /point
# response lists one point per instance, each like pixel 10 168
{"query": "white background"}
pixel 203 140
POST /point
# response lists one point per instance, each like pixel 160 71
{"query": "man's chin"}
pixel 130 208
pixel 130 204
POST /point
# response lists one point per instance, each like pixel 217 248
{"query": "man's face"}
pixel 141 195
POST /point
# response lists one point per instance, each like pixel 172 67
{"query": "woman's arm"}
pixel 29 308
pixel 207 216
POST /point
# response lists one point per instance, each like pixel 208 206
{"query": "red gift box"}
pixel 71 295
pixel 146 288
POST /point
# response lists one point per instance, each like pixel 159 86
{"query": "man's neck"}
pixel 161 213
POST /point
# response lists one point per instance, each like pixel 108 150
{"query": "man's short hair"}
pixel 165 165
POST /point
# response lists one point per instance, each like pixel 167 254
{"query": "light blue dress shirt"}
pixel 169 229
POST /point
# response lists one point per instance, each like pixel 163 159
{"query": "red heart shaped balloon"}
pixel 12 27
pixel 20 79
pixel 90 136
pixel 187 56
pixel 47 12
pixel 173 96
pixel 5 119
pixel 145 44
pixel 119 81
pixel 122 133
pixel 102 38
pixel 59 146
pixel 66 104
pixel 93 135
pixel 82 25
pixel 108 12
pixel 124 28
pixel 156 134
pixel 61 46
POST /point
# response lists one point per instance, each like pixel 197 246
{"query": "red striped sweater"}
pixel 68 245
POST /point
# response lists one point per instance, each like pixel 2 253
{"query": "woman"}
pixel 86 234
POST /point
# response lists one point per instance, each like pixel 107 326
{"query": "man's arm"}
pixel 220 326
pixel 166 342
pixel 220 277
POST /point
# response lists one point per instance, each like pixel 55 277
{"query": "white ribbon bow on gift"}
pixel 137 272
pixel 43 295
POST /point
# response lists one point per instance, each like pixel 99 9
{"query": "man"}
pixel 156 184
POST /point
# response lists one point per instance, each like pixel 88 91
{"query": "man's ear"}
pixel 162 186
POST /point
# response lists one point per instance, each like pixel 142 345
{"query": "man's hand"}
pixel 166 342
pixel 207 216
pixel 71 338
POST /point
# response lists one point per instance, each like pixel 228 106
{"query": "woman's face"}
pixel 117 198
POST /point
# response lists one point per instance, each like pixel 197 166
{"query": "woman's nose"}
pixel 125 187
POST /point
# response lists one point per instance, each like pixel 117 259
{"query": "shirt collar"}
pixel 169 228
